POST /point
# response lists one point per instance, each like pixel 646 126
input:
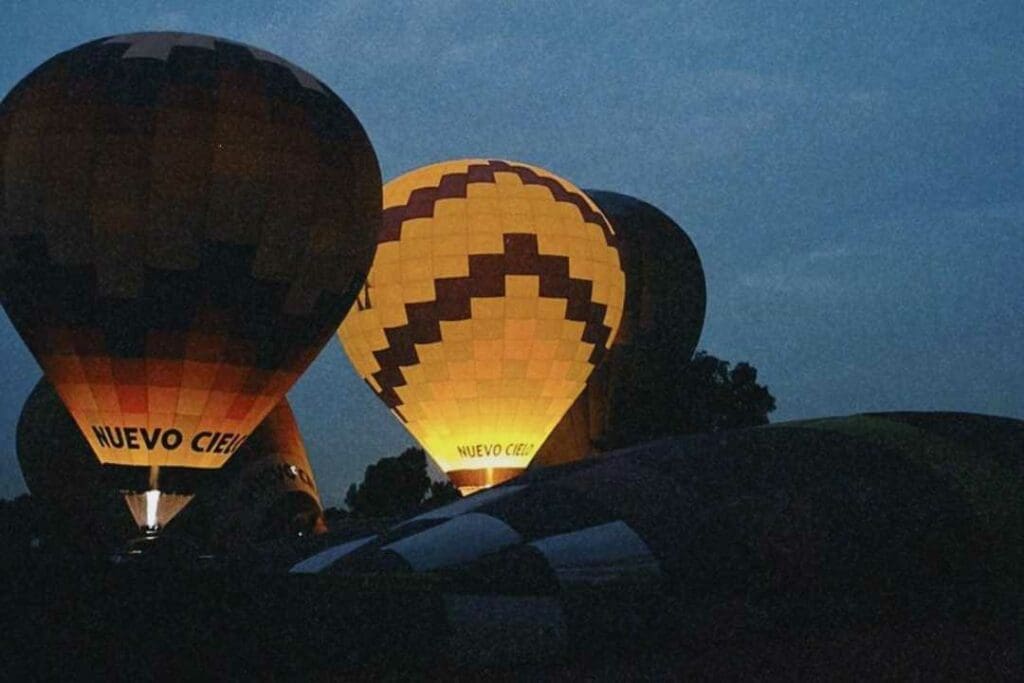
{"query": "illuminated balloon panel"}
pixel 495 290
pixel 185 221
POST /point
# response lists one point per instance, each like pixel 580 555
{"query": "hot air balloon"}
pixel 185 220
pixel 266 491
pixel 495 290
pixel 61 471
pixel 662 321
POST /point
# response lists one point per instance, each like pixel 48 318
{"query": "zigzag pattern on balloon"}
pixel 421 201
pixel 495 290
pixel 487 278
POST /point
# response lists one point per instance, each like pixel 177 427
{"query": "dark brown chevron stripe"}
pixel 487 279
pixel 454 185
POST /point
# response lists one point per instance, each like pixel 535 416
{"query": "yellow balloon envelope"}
pixel 495 291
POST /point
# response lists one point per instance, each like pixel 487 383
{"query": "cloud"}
pixel 829 272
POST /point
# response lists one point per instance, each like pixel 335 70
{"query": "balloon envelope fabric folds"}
pixel 185 221
pixel 798 523
pixel 495 290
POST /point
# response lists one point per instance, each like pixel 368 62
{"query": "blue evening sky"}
pixel 851 173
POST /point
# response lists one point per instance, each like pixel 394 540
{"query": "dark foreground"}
pixel 146 624
pixel 869 547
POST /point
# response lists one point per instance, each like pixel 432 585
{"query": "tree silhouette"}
pixel 20 522
pixel 442 493
pixel 392 486
pixel 706 395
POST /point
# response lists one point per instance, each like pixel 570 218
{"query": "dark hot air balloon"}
pixel 661 323
pixel 61 471
pixel 184 221
pixel 266 491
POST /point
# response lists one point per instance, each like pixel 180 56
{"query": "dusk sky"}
pixel 852 178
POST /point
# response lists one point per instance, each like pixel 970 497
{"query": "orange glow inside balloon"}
pixel 495 290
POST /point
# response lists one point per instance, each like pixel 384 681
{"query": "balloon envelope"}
pixel 788 513
pixel 495 290
pixel 184 222
pixel 266 490
pixel 60 470
pixel 661 323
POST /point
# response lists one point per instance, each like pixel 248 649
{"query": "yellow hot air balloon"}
pixel 495 291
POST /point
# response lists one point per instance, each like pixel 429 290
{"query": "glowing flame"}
pixel 153 509
pixel 152 504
